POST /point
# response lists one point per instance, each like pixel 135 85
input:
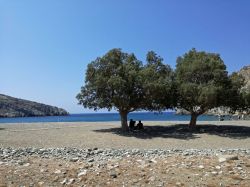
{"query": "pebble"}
pixel 27 164
pixel 113 174
pixel 57 171
pixel 83 172
pixel 153 161
pixel 217 167
pixel 40 183
pixel 64 181
pixel 74 159
pixel 201 166
pixel 91 160
pixel 214 172
pixel 71 181
pixel 225 158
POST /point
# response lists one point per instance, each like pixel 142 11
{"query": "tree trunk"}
pixel 124 121
pixel 193 120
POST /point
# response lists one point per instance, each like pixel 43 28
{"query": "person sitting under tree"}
pixel 132 124
pixel 140 125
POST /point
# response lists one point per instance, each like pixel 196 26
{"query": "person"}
pixel 132 124
pixel 140 125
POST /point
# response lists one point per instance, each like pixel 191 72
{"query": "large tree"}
pixel 119 81
pixel 202 79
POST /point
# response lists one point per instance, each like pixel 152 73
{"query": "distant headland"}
pixel 14 107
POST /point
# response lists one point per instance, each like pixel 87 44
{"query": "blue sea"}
pixel 100 117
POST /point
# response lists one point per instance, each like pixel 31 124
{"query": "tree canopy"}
pixel 120 81
pixel 202 79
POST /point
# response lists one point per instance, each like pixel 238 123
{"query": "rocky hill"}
pixel 245 72
pixel 14 107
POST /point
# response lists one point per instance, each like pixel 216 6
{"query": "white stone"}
pixel 153 161
pixel 225 158
pixel 201 166
pixel 70 181
pixel 64 181
pixel 83 172
pixel 40 183
pixel 27 164
pixel 217 167
pixel 57 171
pixel 214 172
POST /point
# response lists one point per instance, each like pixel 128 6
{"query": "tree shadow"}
pixel 182 131
pixel 230 131
pixel 150 132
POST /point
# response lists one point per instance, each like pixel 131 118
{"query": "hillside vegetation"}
pixel 14 107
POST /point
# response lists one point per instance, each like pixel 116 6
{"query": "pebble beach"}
pixel 99 154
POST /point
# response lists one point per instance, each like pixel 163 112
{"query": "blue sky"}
pixel 46 45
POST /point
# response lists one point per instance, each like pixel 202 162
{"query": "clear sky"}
pixel 46 45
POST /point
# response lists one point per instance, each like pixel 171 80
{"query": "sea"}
pixel 102 117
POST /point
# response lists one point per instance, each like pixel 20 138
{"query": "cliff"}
pixel 14 107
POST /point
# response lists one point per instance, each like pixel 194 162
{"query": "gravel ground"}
pixel 99 154
pixel 165 135
pixel 124 167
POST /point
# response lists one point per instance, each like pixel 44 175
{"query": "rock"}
pixel 226 158
pixel 152 178
pixel 43 170
pixel 40 183
pixel 71 181
pixel 201 166
pixel 75 159
pixel 64 181
pixel 214 172
pixel 20 162
pixel 91 160
pixel 27 164
pixel 113 174
pixel 57 171
pixel 83 172
pixel 153 161
pixel 217 167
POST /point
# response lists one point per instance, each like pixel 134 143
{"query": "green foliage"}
pixel 113 81
pixel 119 81
pixel 201 78
pixel 158 83
pixel 233 92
